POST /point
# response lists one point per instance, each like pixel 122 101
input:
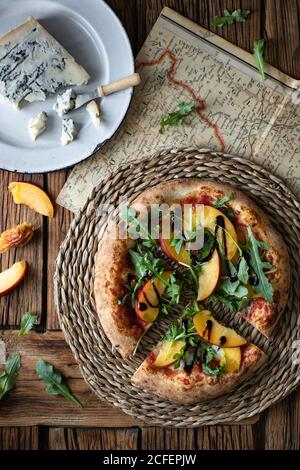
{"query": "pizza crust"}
pixel 186 389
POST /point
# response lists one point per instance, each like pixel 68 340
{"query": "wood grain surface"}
pixel 48 422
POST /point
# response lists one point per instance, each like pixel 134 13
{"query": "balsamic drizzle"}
pixel 220 223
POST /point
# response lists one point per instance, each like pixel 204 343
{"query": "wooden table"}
pixel 31 419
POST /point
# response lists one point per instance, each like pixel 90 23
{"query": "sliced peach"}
pixel 32 196
pixel 11 278
pixel 233 359
pixel 209 277
pixel 210 217
pixel 147 304
pixel 167 354
pixel 207 217
pixel 183 257
pixel 215 333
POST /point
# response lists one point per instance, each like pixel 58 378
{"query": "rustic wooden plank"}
pixel 225 438
pixel 21 438
pixel 167 439
pixel 29 404
pixel 241 34
pixel 24 298
pixel 152 438
pixel 56 233
pixel 283 424
pixel 282 34
pixel 93 439
pixel 126 12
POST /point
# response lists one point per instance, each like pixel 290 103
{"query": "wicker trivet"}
pixel 108 374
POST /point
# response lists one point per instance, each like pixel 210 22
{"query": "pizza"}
pixel 189 366
pixel 218 244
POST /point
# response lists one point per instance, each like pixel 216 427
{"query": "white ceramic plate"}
pixel 92 33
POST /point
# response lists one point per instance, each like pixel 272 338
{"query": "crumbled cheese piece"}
pixel 69 131
pixel 65 102
pixel 94 111
pixel 37 125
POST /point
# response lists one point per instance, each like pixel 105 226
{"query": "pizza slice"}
pixel 132 286
pixel 198 359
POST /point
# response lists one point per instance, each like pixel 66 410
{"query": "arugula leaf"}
pixel 229 18
pixel 173 290
pixel 263 287
pixel 190 310
pixel 177 243
pixel 146 263
pixel 176 118
pixel 27 323
pixel 221 202
pixel 54 381
pixel 176 332
pixel 128 215
pixel 8 378
pixel 258 54
pixel 209 354
pixel 208 243
pixel 243 271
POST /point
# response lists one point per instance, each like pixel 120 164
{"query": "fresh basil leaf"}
pixel 258 54
pixel 264 287
pixel 8 378
pixel 177 117
pixel 54 381
pixel 27 323
pixel 228 18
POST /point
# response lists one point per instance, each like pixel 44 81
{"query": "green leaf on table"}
pixel 258 54
pixel 27 323
pixel 54 381
pixel 237 16
pixel 177 117
pixel 8 378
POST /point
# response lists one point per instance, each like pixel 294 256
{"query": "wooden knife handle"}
pixel 126 82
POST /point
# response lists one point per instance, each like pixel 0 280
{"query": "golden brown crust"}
pixel 185 388
pixel 112 265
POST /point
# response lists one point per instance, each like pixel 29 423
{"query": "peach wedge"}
pixel 32 196
pixel 209 277
pixel 11 278
pixel 215 333
pixel 168 353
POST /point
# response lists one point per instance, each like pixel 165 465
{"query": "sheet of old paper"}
pixel 237 113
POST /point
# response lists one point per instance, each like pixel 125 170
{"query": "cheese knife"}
pixel 104 90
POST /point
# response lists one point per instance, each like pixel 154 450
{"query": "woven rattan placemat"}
pixel 105 371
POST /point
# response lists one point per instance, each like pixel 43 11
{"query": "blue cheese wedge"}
pixel 33 64
pixel 94 111
pixel 65 102
pixel 69 131
pixel 37 125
